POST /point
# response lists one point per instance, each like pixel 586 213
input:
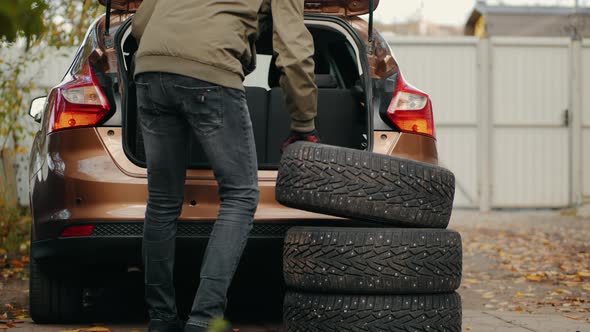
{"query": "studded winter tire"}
pixel 343 313
pixel 363 185
pixel 372 260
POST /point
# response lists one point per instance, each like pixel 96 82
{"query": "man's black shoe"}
pixel 194 328
pixel 218 325
pixel 159 325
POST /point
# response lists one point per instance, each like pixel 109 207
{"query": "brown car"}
pixel 88 182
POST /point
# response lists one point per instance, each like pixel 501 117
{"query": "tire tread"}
pixel 372 260
pixel 363 185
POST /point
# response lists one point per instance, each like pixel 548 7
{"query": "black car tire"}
pixel 363 185
pixel 55 293
pixel 342 313
pixel 372 260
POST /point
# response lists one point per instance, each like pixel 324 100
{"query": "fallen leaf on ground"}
pixel 472 281
pixel 534 277
pixel 488 295
pixel 16 263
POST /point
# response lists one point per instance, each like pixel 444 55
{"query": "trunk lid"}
pixel 124 5
pixel 340 7
pixel 329 7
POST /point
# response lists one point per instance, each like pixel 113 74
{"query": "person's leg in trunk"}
pixel 220 119
pixel 165 134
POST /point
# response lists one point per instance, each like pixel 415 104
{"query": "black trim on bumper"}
pixel 121 241
pixel 188 230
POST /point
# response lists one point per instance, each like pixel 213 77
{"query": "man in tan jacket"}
pixel 192 59
pixel 217 45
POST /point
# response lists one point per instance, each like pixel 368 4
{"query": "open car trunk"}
pixel 342 115
pixel 331 7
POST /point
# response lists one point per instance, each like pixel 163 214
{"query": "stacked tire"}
pixel 400 274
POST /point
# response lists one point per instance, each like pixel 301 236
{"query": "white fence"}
pixel 500 108
pixel 585 102
pixel 508 114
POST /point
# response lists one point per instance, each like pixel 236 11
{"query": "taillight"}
pixel 411 110
pixel 78 103
pixel 78 230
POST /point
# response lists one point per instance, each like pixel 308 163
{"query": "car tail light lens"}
pixel 411 110
pixel 78 103
pixel 79 230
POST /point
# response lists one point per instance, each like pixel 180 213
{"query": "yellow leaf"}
pixel 534 277
pixel 472 281
pixel 583 274
pixel 519 294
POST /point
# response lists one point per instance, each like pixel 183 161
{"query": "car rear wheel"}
pixel 55 293
pixel 337 313
pixel 363 185
pixel 372 260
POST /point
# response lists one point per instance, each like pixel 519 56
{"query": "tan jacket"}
pixel 214 40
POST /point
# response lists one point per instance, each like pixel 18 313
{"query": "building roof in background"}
pixel 418 28
pixel 482 9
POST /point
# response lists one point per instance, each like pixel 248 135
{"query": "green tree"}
pixel 66 21
pixel 21 18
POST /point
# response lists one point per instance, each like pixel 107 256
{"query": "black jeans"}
pixel 170 107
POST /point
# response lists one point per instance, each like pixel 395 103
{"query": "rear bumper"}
pixel 85 177
pixel 121 241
